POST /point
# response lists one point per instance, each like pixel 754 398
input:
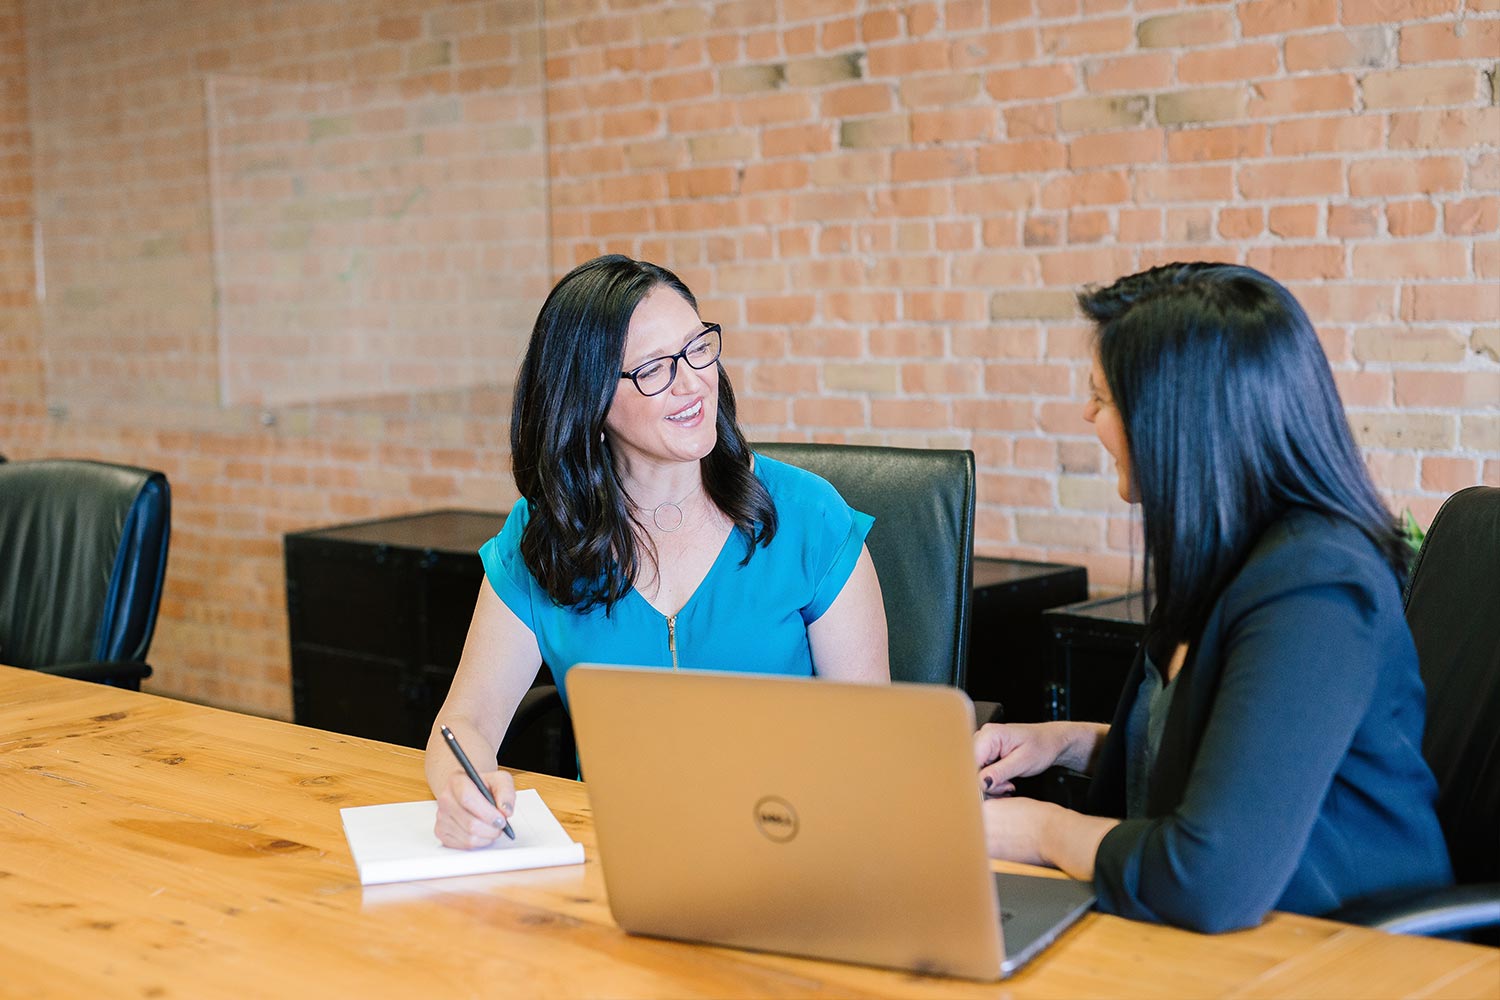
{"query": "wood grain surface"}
pixel 156 848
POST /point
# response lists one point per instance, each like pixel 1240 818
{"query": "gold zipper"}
pixel 672 638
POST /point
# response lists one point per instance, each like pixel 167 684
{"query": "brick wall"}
pixel 887 206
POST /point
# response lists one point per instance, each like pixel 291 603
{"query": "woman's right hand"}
pixel 1005 752
pixel 464 819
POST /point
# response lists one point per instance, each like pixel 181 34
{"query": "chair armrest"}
pixel 1429 911
pixel 121 673
pixel 534 704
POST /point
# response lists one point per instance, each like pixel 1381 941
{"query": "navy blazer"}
pixel 1290 773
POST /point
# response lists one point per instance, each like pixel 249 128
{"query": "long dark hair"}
pixel 579 543
pixel 1232 418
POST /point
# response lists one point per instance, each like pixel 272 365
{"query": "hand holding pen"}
pixel 469 831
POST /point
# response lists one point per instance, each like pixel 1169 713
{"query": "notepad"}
pixel 395 842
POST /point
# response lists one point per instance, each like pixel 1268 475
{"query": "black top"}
pixel 1290 773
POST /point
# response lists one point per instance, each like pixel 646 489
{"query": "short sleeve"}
pixel 506 571
pixel 843 539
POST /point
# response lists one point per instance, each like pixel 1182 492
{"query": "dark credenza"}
pixel 379 611
pixel 1093 645
pixel 1009 645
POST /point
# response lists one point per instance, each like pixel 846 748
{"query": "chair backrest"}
pixel 83 550
pixel 922 544
pixel 1453 608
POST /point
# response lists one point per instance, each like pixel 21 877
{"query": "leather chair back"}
pixel 922 544
pixel 83 552
pixel 1453 609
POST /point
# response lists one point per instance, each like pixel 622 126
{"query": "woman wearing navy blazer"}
pixel 1266 752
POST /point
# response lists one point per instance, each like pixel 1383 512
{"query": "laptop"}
pixel 804 817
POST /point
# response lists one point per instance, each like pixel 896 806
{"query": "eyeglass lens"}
pixel 658 374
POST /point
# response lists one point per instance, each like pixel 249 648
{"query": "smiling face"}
pixel 1110 428
pixel 675 426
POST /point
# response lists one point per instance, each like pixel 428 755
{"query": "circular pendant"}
pixel 667 516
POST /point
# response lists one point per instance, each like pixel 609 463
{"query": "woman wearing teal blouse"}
pixel 647 532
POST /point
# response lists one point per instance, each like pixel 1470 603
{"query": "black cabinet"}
pixel 1093 646
pixel 1008 641
pixel 378 613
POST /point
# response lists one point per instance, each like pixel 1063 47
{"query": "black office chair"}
pixel 1453 608
pixel 922 546
pixel 83 550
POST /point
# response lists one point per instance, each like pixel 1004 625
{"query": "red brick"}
pixel 1302 95
pixel 903 59
pixel 1294 221
pixel 1341 49
pixel 857 100
pixel 1110 149
pixel 1448 390
pixel 1276 17
pixel 1471 216
pixel 1395 11
pixel 1190 225
pixel 1421 87
pixel 1353 221
pixel 910 413
pixel 1299 263
pixel 1298 179
pixel 1185 183
pixel 1091 36
pixel 1327 135
pixel 1141 225
pixel 1410 260
pixel 956 125
pixel 1410 218
pixel 1448 475
pixel 1094 188
pixel 1230 142
pixel 1450 303
pixel 1388 177
pixel 994 49
pixel 798 140
pixel 1031 120
pixel 1245 62
pixel 1134 72
pixel 1030 83
pixel 1455 128
pixel 1042 231
pixel 1025 156
pixel 1191 29
pixel 931 164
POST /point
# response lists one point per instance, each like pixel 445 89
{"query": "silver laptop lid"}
pixel 790 815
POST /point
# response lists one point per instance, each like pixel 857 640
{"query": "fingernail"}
pixel 988 781
pixel 507 808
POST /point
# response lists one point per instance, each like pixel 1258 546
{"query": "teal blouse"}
pixel 749 618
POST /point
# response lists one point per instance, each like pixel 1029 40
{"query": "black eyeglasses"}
pixel 654 377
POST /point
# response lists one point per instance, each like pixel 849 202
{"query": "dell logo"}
pixel 776 819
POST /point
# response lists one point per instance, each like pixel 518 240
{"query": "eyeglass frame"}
pixel 674 358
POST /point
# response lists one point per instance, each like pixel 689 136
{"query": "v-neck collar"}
pixel 712 569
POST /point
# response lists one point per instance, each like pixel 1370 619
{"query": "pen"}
pixel 463 759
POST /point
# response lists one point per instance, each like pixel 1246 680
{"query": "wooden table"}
pixel 155 848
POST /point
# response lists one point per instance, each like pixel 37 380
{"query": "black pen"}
pixel 463 759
